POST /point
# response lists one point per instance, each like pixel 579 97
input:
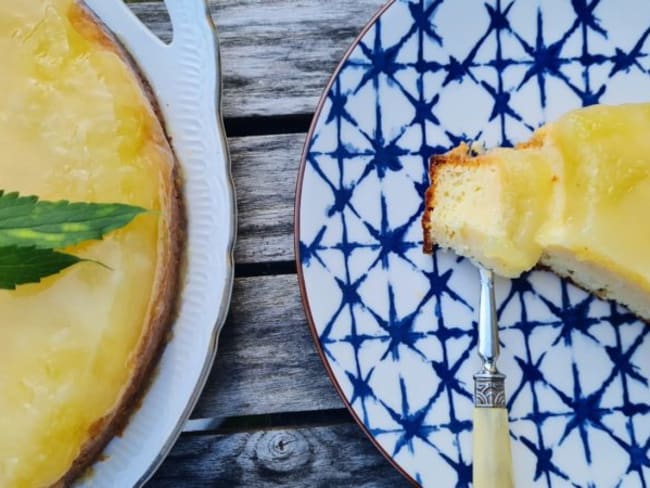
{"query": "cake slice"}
pixel 76 350
pixel 574 198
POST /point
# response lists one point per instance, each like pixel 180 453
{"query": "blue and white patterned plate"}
pixel 396 328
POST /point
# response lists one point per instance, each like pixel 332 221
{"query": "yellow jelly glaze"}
pixel 582 186
pixel 76 125
pixel 601 196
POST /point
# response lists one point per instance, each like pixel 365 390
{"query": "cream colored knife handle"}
pixel 492 458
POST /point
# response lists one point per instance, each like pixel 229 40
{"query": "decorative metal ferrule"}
pixel 489 390
pixel 489 383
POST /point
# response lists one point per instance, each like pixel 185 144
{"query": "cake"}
pixel 573 199
pixel 77 122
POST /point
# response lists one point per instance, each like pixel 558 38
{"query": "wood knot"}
pixel 282 451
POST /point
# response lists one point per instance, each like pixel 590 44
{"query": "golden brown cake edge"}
pixel 167 284
pixel 461 155
pixel 457 156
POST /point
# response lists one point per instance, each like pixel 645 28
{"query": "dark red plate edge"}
pixel 296 242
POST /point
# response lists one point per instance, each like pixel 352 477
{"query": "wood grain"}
pixel 276 55
pixel 265 169
pixel 266 361
pixel 328 456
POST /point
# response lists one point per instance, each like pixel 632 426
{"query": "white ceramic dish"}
pixel 185 78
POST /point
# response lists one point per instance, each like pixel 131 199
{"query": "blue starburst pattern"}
pixel 397 327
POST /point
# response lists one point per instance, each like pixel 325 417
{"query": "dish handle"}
pixel 192 28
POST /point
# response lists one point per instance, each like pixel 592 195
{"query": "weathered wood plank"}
pixel 266 361
pixel 154 15
pixel 306 457
pixel 276 55
pixel 265 171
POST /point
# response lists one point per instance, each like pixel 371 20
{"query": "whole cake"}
pixel 574 198
pixel 78 123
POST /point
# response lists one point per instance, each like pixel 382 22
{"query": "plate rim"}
pixel 296 240
pixel 219 168
pixel 226 292
pixel 229 273
pixel 316 121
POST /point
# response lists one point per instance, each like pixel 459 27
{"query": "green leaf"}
pixel 21 265
pixel 26 221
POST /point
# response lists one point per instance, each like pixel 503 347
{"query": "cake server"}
pixel 492 456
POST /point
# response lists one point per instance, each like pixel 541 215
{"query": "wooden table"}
pixel 269 415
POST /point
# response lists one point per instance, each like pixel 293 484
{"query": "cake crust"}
pixel 565 181
pixel 167 280
pixel 458 156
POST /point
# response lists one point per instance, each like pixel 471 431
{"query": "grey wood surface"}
pixel 277 55
pixel 269 415
pixel 265 170
pixel 309 457
pixel 266 362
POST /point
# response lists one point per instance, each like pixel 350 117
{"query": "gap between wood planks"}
pixel 249 270
pixel 243 127
pixel 273 421
pixel 267 125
